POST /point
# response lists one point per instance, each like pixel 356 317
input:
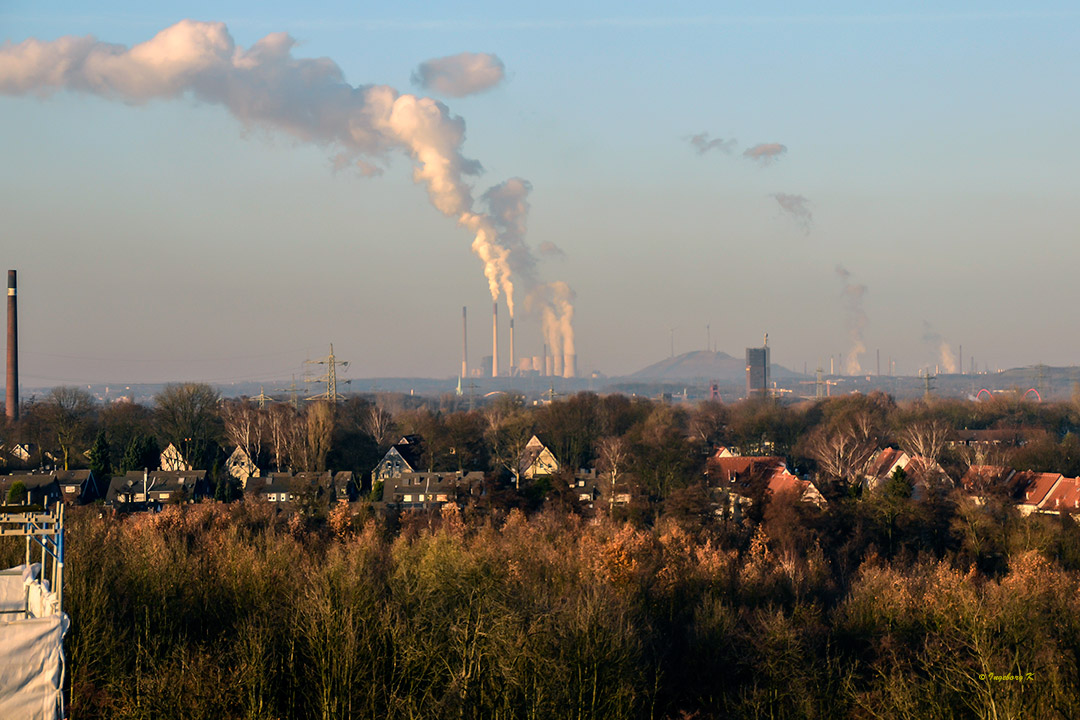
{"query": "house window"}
pixel 420 498
pixel 408 498
pixel 441 497
pixel 585 497
pixel 70 489
pixel 164 496
pixel 139 497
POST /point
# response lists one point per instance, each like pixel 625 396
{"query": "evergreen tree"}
pixel 99 457
pixel 16 493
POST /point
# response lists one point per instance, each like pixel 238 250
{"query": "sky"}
pixel 897 178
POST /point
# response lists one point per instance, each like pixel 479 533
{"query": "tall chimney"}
pixel 495 339
pixel 12 406
pixel 557 370
pixel 510 370
pixel 464 345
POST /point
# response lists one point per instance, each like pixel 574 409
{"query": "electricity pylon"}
pixel 330 378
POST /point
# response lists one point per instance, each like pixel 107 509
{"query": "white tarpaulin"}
pixel 31 648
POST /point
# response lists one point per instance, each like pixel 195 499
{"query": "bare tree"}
pixel 926 438
pixel 66 412
pixel 245 427
pixel 613 457
pixel 279 419
pixel 843 453
pixel 187 416
pixel 379 424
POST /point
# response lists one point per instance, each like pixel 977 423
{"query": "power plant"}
pixel 546 365
pixel 12 405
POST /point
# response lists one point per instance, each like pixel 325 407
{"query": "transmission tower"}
pixel 262 397
pixel 294 393
pixel 330 378
pixel 929 382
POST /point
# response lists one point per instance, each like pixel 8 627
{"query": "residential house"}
pixel 172 460
pixel 142 489
pixel 982 481
pixel 923 472
pixel 1036 491
pixel 241 467
pixel 280 487
pixel 536 461
pixel 415 490
pixel 735 475
pixel 41 488
pixel 404 456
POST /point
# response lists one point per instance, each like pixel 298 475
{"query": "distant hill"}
pixel 704 365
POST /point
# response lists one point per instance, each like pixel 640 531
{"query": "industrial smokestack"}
pixel 570 365
pixel 12 406
pixel 495 339
pixel 558 369
pixel 464 344
pixel 510 369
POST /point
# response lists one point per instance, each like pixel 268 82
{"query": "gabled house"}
pixel 536 461
pixel 41 488
pixel 141 489
pixel 241 467
pixel 981 481
pixel 404 456
pixel 78 487
pixel 280 487
pixel 923 472
pixel 734 474
pixel 1035 490
pixel 416 490
pixel 172 460
pixel 1064 498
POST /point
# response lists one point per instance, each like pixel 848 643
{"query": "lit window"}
pixel 408 498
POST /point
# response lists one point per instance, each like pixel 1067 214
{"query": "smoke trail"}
pixel 554 301
pixel 765 153
pixel 308 99
pixel 945 354
pixel 460 75
pixel 702 144
pixel 856 320
pixel 795 206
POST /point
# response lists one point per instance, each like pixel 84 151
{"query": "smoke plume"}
pixel 795 207
pixel 555 302
pixel 931 337
pixel 550 249
pixel 460 75
pixel 308 99
pixel 703 144
pixel 856 320
pixel 765 153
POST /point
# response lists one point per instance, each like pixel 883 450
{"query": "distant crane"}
pixel 822 387
pixel 330 378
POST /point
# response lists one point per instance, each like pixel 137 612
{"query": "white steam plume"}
pixel 795 207
pixel 702 144
pixel 856 320
pixel 460 75
pixel 266 86
pixel 765 153
pixel 945 354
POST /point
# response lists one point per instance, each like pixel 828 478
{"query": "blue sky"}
pixel 935 148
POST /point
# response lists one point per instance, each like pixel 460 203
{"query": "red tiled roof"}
pixel 1065 497
pixel 1034 487
pixel 726 469
pixel 882 464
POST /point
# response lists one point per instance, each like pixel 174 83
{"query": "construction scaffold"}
pixel 32 619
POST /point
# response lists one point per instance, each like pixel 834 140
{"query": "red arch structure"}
pixel 1038 397
pixel 989 394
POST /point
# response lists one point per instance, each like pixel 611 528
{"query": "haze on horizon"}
pixel 748 171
